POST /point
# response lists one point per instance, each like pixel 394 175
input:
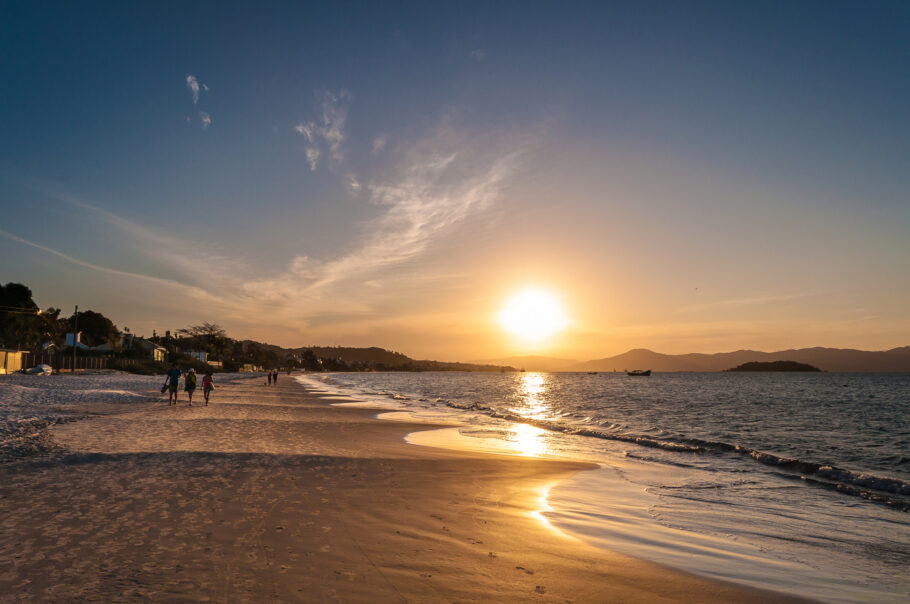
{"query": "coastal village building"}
pixel 154 351
pixel 197 354
pixel 11 360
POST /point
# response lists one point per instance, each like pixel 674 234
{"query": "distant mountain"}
pixel 826 359
pixel 533 363
pixel 642 358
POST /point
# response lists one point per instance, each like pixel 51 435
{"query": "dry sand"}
pixel 269 494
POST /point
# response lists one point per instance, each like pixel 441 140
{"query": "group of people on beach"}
pixel 273 377
pixel 172 384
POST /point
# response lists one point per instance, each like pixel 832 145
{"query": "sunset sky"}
pixel 680 176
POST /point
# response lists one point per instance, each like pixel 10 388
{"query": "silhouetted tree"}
pixel 96 328
pixel 22 324
pixel 209 337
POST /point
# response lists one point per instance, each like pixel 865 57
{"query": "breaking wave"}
pixel 879 489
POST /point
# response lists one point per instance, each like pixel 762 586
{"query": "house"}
pixel 197 354
pixel 11 360
pixel 79 344
pixel 156 352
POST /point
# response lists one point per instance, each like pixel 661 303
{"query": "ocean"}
pixel 790 481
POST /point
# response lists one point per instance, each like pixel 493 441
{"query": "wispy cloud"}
pixel 206 119
pixel 193 84
pixel 195 292
pixel 352 183
pixel 327 131
pixel 312 157
pixel 428 198
pixel 438 184
pixel 379 143
pixel 478 54
pixel 748 301
pixel 147 241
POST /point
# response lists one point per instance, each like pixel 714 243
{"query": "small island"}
pixel 774 366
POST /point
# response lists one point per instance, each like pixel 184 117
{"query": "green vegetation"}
pixel 23 326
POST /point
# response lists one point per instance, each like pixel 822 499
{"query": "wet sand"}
pixel 270 494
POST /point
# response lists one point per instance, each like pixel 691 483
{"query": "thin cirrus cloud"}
pixel 163 249
pixel 426 199
pixel 206 119
pixel 192 291
pixel 438 184
pixel 748 301
pixel 326 132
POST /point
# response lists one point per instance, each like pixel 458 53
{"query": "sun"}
pixel 532 315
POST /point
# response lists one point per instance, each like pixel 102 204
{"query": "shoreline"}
pixel 273 493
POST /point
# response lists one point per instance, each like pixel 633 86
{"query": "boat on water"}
pixel 639 372
pixel 592 373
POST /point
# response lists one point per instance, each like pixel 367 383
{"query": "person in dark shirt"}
pixel 172 381
pixel 189 384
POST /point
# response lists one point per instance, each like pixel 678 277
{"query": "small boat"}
pixel 639 373
pixel 592 373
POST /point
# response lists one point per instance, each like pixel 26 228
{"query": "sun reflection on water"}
pixel 531 391
pixel 528 440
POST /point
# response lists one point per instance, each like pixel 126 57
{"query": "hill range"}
pixel 826 359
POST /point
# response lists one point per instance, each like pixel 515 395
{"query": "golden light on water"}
pixel 531 389
pixel 532 316
pixel 528 440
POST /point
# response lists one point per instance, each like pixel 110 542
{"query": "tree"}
pixel 210 337
pixel 20 318
pixel 96 328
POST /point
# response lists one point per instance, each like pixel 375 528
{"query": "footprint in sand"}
pixel 540 589
pixel 526 571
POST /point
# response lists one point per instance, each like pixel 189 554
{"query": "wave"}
pixel 850 482
pixel 890 491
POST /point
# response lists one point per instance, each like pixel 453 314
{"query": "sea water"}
pixel 795 482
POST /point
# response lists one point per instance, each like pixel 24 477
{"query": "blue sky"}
pixel 683 176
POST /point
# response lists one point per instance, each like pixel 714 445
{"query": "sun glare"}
pixel 532 316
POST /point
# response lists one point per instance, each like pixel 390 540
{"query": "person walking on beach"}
pixel 189 383
pixel 270 377
pixel 208 384
pixel 275 377
pixel 172 381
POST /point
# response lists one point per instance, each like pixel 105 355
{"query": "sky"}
pixel 679 176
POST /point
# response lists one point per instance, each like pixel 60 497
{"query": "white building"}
pixel 198 355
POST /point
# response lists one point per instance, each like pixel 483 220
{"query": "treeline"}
pixel 24 326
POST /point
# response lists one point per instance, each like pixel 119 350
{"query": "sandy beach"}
pixel 270 494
